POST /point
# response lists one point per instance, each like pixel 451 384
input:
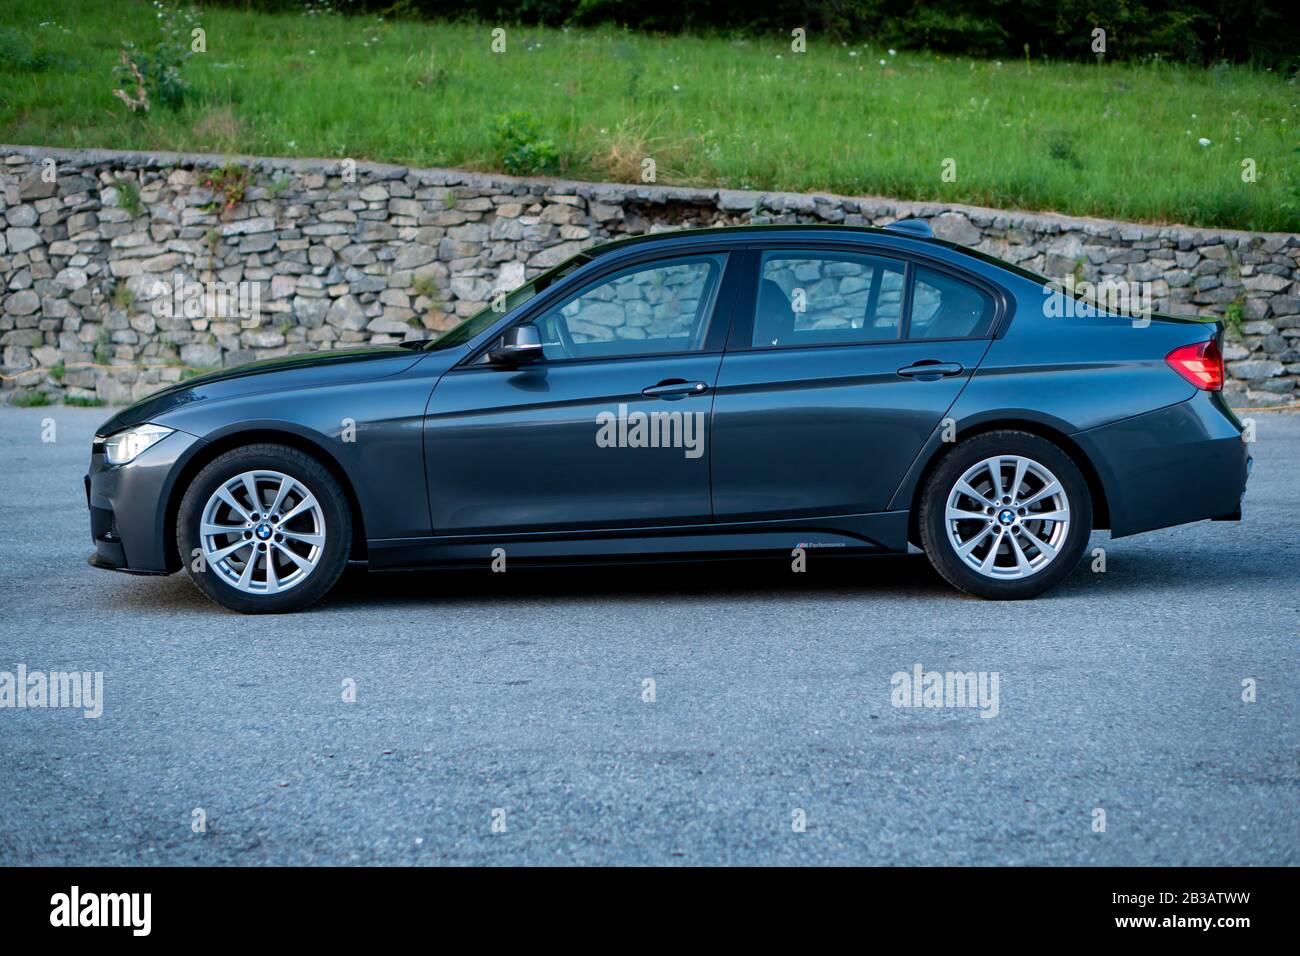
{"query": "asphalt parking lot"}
pixel 503 719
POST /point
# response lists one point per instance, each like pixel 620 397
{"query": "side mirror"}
pixel 519 345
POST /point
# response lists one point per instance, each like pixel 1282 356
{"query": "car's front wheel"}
pixel 1006 515
pixel 264 529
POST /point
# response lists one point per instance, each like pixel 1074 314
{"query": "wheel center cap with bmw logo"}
pixel 1007 517
pixel 263 531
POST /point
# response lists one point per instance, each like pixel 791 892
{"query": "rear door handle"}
pixel 674 386
pixel 929 371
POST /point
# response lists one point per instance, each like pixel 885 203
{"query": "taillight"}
pixel 1201 363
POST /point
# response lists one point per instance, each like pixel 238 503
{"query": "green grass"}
pixel 128 197
pixel 1108 140
pixel 31 400
pixel 82 402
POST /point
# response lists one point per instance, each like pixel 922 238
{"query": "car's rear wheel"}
pixel 264 529
pixel 1006 515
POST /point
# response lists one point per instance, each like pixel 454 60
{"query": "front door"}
pixel 608 430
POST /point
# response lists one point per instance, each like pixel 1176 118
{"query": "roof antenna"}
pixel 912 227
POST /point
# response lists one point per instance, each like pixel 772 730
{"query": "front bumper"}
pixel 129 506
pixel 1186 462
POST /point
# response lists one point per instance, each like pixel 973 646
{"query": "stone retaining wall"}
pixel 92 244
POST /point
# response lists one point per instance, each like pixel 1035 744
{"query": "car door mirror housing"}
pixel 519 345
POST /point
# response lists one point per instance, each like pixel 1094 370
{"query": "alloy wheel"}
pixel 1007 517
pixel 262 532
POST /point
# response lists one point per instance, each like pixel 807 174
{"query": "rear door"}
pixel 841 363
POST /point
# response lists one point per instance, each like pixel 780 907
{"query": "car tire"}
pixel 298 542
pixel 992 544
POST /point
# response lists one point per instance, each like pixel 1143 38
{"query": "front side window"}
pixel 490 313
pixel 647 309
pixel 830 298
pixel 944 307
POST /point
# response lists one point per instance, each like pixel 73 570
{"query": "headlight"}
pixel 126 445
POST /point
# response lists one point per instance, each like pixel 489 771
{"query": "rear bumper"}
pixel 128 507
pixel 1186 462
pixel 1235 515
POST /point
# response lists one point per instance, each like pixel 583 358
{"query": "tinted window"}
pixel 947 308
pixel 827 299
pixel 663 306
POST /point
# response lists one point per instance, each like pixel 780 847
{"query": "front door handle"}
pixel 929 371
pixel 675 386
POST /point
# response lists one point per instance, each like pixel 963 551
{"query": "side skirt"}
pixel 840 534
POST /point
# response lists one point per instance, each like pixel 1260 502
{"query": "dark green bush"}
pixel 1198 31
pixel 520 147
pixel 19 55
pixel 153 74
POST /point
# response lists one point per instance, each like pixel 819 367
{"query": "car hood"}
pixel 290 371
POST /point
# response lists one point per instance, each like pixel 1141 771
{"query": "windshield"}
pixel 483 318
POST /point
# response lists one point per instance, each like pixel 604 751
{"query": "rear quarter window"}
pixel 945 307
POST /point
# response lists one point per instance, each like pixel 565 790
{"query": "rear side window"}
pixel 947 308
pixel 831 298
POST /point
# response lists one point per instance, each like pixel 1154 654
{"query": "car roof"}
pixel 763 230
pixel 902 239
